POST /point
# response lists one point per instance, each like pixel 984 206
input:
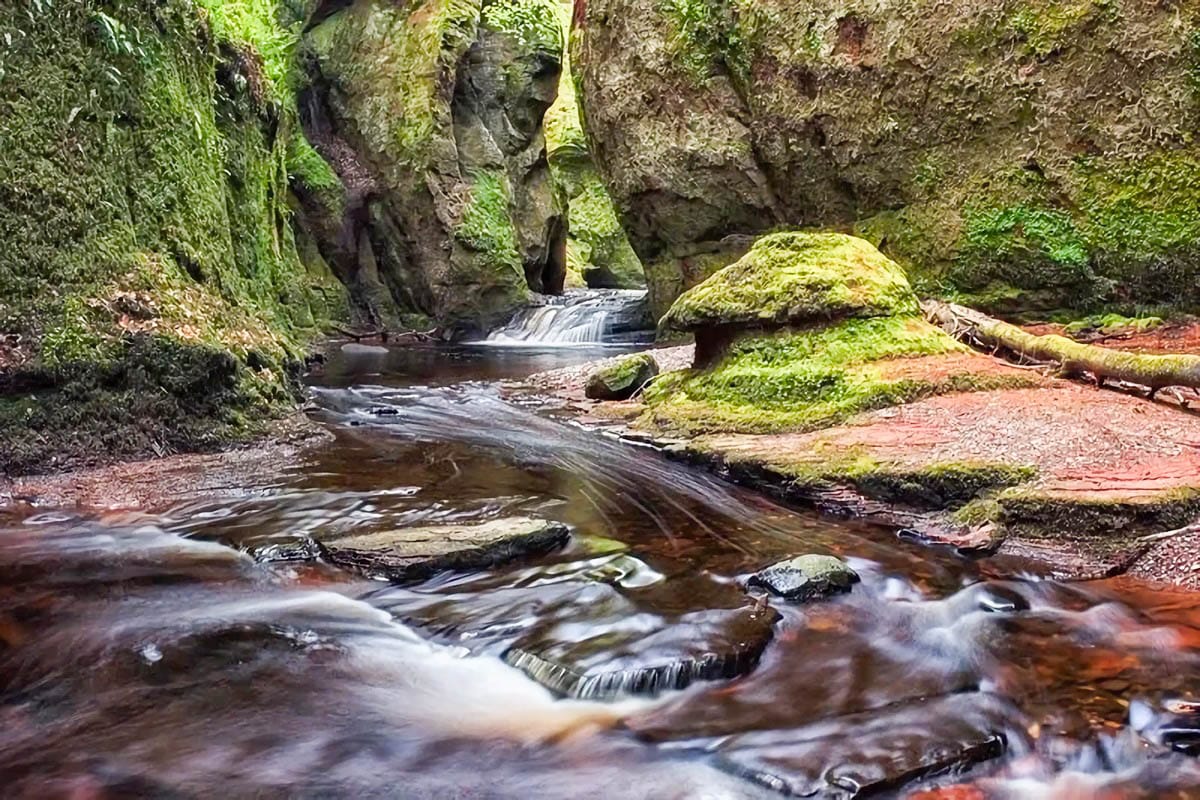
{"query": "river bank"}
pixel 1066 473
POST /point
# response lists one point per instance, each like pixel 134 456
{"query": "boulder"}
pixel 972 141
pixel 809 577
pixel 622 379
pixel 795 279
pixel 413 553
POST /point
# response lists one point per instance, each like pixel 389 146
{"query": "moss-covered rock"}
pixel 1020 154
pixel 151 293
pixel 432 113
pixel 598 251
pixel 796 279
pixel 621 379
pixel 803 332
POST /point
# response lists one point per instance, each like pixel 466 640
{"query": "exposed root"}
pixel 1150 372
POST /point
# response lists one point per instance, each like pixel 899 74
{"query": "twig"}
pixel 1158 537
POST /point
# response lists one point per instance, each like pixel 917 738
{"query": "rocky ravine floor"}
pixel 1098 469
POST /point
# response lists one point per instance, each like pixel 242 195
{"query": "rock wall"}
pixel 1023 154
pixel 431 115
pixel 152 298
pixel 598 252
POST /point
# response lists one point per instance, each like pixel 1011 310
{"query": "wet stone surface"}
pixel 862 754
pixel 413 553
pixel 806 578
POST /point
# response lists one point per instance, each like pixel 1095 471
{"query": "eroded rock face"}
pixel 1032 153
pixel 431 114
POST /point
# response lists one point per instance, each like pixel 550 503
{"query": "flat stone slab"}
pixel 414 553
pixel 806 578
pixel 862 754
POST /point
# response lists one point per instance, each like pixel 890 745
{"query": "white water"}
pixel 591 317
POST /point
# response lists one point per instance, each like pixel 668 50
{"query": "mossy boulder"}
pixel 152 296
pixel 979 143
pixel 622 379
pixel 796 279
pixel 432 114
pixel 803 332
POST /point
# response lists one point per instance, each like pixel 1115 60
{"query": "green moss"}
pixel 394 56
pixel 257 27
pixel 597 247
pixel 1045 24
pixel 1033 513
pixel 946 485
pixel 623 378
pixel 793 278
pixel 143 193
pixel 1109 324
pixel 485 225
pixel 802 380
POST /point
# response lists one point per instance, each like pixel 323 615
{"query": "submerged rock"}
pixel 623 379
pixel 600 627
pixel 413 553
pixel 628 658
pixel 861 754
pixel 807 578
pixel 1171 722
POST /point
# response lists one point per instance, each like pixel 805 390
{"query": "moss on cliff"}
pixel 598 250
pixel 981 144
pixel 143 190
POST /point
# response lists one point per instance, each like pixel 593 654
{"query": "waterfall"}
pixel 586 317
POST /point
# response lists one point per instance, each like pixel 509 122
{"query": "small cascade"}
pixel 586 317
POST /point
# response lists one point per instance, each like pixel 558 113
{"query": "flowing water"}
pixel 201 652
pixel 589 317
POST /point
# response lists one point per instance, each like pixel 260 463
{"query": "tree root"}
pixel 385 335
pixel 1154 372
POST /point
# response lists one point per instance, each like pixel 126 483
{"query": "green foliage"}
pixel 257 24
pixel 533 23
pixel 801 380
pixel 486 226
pixel 793 278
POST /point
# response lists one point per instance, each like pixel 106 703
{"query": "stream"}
pixel 203 652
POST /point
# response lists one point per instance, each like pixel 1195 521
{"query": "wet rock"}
pixel 633 655
pixel 414 553
pixel 1173 723
pixel 597 628
pixel 806 578
pixel 622 379
pixel 861 754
